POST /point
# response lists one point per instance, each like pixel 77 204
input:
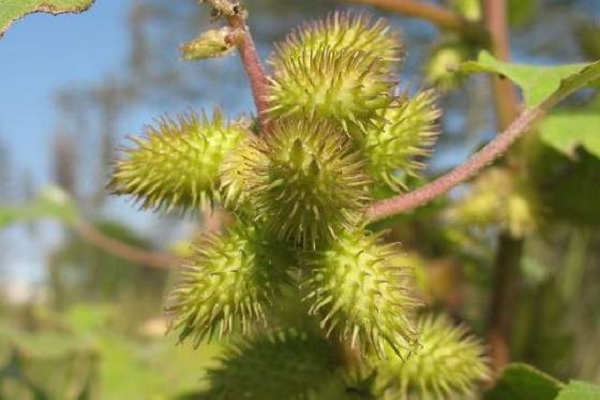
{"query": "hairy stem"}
pixel 440 16
pixel 478 161
pixel 253 67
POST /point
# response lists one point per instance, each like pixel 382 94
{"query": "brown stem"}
pixel 505 97
pixel 143 257
pixel 509 252
pixel 505 295
pixel 253 67
pixel 478 161
pixel 440 16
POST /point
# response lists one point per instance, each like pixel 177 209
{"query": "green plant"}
pixel 333 135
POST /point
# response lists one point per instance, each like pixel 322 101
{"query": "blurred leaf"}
pixel 51 202
pixel 588 33
pixel 567 130
pixel 577 390
pixel 538 82
pixel 524 382
pixel 12 10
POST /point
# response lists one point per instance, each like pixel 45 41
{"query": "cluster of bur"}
pixel 297 274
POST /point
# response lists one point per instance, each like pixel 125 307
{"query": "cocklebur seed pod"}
pixel 360 295
pixel 176 165
pixel 227 284
pixel 238 171
pixel 393 149
pixel 310 186
pixel 447 364
pixel 496 197
pixel 444 59
pixel 348 87
pixel 470 9
pixel 344 31
pixel 210 44
pixel 286 364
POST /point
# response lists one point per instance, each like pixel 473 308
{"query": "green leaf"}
pixel 12 10
pixel 523 382
pixel 577 390
pixel 537 82
pixel 567 130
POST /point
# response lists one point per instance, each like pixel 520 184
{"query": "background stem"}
pixel 509 253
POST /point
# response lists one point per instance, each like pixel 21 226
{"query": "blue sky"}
pixel 43 53
pixel 39 55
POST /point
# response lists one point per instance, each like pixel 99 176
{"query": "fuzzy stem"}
pixel 478 161
pixel 253 67
pixel 440 16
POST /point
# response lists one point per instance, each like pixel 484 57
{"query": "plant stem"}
pixel 505 295
pixel 493 150
pixel 440 16
pixel 509 253
pixel 143 257
pixel 505 97
pixel 253 67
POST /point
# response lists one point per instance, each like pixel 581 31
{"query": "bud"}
pixel 210 44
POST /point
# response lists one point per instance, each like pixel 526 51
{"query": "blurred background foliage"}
pixel 94 328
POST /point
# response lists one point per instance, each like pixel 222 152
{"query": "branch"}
pixel 505 96
pixel 143 257
pixel 440 16
pixel 252 65
pixel 478 161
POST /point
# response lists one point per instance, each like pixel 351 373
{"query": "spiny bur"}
pixel 310 186
pixel 238 171
pixel 360 295
pixel 176 165
pixel 447 364
pixel 228 283
pixel 348 87
pixel 497 197
pixel 286 364
pixel 393 148
pixel 344 32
